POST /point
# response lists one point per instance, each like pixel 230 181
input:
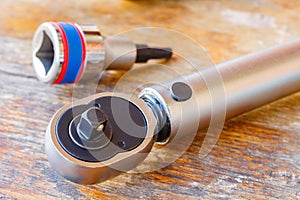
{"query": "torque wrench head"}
pixel 99 137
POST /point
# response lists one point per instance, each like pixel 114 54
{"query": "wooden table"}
pixel 257 155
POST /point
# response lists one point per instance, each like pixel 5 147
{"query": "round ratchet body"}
pixel 129 121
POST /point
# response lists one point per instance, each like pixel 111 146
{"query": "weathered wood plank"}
pixel 257 155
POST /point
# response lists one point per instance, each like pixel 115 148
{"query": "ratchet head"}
pixel 99 137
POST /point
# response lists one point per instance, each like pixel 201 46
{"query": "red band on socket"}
pixel 66 53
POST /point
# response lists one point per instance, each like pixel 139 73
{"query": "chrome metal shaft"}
pixel 228 89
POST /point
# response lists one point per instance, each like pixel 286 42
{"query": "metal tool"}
pixel 67 52
pixel 96 138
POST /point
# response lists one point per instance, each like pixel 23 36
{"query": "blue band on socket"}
pixel 75 52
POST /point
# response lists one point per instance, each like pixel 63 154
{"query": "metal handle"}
pixel 227 89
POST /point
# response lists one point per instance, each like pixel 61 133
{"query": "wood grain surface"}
pixel 257 155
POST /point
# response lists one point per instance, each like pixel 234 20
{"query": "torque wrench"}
pixel 98 137
pixel 67 52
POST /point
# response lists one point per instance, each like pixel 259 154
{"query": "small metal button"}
pixel 181 91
